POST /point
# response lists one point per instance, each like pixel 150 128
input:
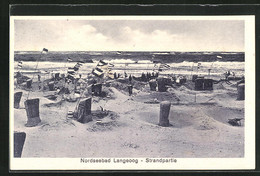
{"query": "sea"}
pixel 134 63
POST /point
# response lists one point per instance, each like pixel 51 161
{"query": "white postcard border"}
pixel 248 162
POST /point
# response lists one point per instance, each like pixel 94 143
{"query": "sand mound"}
pixel 98 114
pixel 205 123
pixel 139 85
pixel 57 125
pixel 120 86
pixel 55 104
pixel 219 86
pixel 123 87
pixel 104 125
pixel 51 97
pixel 108 92
pixel 184 89
pixel 119 95
pixel 158 96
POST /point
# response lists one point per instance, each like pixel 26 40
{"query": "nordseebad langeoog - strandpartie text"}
pixel 128 160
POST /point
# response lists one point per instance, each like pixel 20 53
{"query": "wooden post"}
pixel 153 85
pixel 208 84
pixel 17 99
pixel 194 77
pixel 83 111
pixel 164 113
pixel 32 111
pixel 57 76
pixel 130 89
pixel 51 86
pixel 161 85
pixel 97 89
pixel 19 138
pixel 29 83
pixel 199 84
pixel 241 92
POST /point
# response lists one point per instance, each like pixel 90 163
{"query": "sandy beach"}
pixel 197 129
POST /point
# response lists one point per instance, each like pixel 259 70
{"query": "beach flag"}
pixel 98 72
pixel 155 67
pixel 199 65
pixel 20 64
pixel 109 69
pixel 103 68
pixel 70 77
pixel 110 74
pixel 77 66
pixel 164 66
pixel 102 63
pixel 71 71
pixel 44 50
pixel 110 65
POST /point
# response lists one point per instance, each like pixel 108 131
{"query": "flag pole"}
pixel 198 67
pixel 191 73
pixel 37 63
pixel 211 67
pixel 66 72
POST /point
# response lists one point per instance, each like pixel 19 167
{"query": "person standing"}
pixel 130 78
pixel 39 78
pixel 39 81
pixel 130 89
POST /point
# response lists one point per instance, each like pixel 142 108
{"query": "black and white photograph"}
pixel 132 92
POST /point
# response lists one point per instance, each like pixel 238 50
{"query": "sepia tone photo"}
pixel 128 92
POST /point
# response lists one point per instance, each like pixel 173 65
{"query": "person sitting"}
pixel 227 74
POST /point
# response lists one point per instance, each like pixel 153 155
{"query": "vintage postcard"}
pixel 132 92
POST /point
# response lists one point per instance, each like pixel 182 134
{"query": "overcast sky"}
pixel 129 35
